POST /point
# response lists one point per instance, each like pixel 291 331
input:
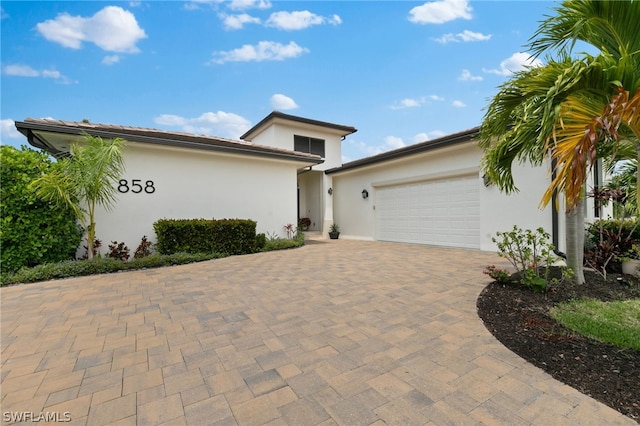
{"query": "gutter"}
pixel 225 147
pixel 450 140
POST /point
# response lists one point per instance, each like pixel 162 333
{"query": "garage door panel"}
pixel 441 212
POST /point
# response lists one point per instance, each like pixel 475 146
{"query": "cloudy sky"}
pixel 401 72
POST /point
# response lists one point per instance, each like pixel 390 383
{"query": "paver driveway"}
pixel 336 332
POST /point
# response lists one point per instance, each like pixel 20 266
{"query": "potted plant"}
pixel 304 223
pixel 631 262
pixel 334 231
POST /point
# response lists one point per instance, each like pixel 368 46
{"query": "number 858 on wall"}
pixel 137 186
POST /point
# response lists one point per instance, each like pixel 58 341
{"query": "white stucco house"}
pixel 287 167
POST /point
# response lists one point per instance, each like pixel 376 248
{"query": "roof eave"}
pixel 275 115
pixel 450 140
pixel 27 128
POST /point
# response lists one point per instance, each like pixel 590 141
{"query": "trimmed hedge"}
pixel 99 265
pixel 230 236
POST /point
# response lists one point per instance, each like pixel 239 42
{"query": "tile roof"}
pixel 275 115
pixel 449 140
pixel 152 136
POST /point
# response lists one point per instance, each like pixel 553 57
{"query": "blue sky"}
pixel 401 72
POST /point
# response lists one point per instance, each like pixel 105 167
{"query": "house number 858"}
pixel 136 186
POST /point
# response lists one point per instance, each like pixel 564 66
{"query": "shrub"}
pixel 261 241
pixel 96 246
pixel 531 254
pixel 118 251
pixel 500 275
pixel 144 249
pixel 32 231
pixel 99 265
pixel 231 236
pixel 609 240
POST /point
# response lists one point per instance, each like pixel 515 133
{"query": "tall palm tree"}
pixel 85 180
pixel 552 108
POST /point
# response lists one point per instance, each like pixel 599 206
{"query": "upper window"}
pixel 307 144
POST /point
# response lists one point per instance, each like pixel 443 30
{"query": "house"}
pixel 287 167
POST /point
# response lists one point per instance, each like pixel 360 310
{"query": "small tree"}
pixel 33 231
pixel 85 180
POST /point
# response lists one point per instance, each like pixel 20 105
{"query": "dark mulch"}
pixel 520 319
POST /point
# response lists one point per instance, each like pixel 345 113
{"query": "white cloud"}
pixel 170 120
pixel 393 142
pixel 112 29
pixel 467 76
pixel 195 4
pixel 438 12
pixel 282 102
pixel 8 129
pixel 465 36
pixel 516 62
pixel 408 103
pixel 19 70
pixel 423 136
pixel 236 22
pixel 249 4
pixel 458 104
pixel 3 13
pixel 263 51
pixel 111 59
pixel 221 124
pixel 299 20
pixel 436 98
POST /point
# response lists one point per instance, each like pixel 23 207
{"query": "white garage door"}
pixel 442 212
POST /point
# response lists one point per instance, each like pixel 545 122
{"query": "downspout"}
pixel 555 231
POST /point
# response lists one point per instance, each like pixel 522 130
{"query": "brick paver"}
pixel 336 332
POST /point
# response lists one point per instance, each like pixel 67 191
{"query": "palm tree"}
pixel 84 180
pixel 576 109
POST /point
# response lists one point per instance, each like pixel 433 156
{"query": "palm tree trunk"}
pixel 575 241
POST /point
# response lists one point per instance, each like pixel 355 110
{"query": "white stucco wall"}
pixel 498 211
pixel 281 136
pixel 199 184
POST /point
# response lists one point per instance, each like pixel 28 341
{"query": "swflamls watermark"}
pixel 32 416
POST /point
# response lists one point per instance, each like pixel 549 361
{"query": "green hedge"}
pixel 32 231
pixel 99 265
pixel 230 236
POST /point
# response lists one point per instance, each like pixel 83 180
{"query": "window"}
pixel 307 144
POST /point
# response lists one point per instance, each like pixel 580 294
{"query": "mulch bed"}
pixel 519 318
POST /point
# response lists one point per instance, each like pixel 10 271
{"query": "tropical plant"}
pixel 576 109
pixel 625 179
pixel 32 231
pixel 85 180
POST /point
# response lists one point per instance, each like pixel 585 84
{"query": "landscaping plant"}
pixel 531 254
pixel 144 248
pixel 118 251
pixel 32 231
pixel 85 180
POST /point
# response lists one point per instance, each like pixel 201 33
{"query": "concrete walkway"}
pixel 337 332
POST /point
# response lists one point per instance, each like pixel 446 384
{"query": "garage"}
pixel 443 212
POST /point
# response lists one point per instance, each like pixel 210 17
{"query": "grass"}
pixel 617 322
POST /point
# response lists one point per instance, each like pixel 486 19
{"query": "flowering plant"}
pixel 497 274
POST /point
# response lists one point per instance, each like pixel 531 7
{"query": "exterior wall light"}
pixel 365 194
pixel 330 191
